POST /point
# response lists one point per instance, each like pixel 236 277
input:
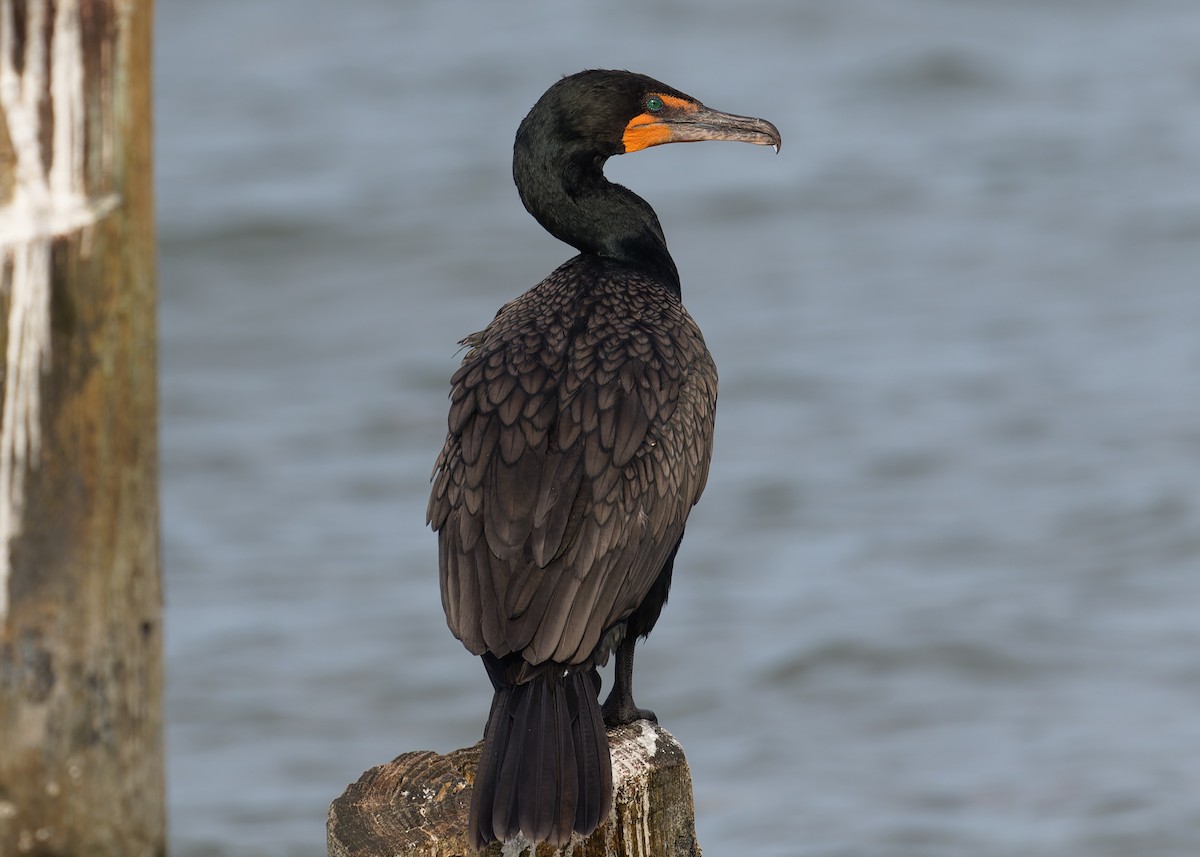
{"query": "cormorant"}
pixel 580 431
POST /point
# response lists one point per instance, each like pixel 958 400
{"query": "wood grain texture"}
pixel 416 805
pixel 81 758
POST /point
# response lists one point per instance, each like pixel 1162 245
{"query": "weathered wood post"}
pixel 81 765
pixel 416 805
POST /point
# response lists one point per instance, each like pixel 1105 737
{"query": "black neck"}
pixel 568 194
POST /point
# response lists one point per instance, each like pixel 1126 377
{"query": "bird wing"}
pixel 579 438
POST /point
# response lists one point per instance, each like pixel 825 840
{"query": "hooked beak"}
pixel 707 124
pixel 692 123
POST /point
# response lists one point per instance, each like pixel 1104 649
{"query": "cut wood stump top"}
pixel 417 805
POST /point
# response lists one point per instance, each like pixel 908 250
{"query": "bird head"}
pixel 581 121
pixel 616 112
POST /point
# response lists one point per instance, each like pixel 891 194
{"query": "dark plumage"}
pixel 580 430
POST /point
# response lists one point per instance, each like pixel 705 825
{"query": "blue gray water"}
pixel 942 596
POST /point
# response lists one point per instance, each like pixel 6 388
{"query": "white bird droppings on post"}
pixel 631 769
pixel 627 834
pixel 46 203
pixel 517 846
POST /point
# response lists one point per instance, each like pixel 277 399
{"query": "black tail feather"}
pixel 593 761
pixel 545 769
pixel 480 824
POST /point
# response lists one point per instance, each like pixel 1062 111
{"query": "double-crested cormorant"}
pixel 580 432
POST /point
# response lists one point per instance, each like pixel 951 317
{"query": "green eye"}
pixel 654 104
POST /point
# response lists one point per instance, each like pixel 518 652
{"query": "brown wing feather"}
pixel 580 430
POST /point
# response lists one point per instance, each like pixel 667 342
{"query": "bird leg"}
pixel 619 708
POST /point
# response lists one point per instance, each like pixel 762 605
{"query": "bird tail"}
pixel 545 769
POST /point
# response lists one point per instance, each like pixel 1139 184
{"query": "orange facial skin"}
pixel 648 129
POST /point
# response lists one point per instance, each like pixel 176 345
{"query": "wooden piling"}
pixel 417 804
pixel 81 759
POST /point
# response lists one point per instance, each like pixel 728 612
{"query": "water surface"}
pixel 941 595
